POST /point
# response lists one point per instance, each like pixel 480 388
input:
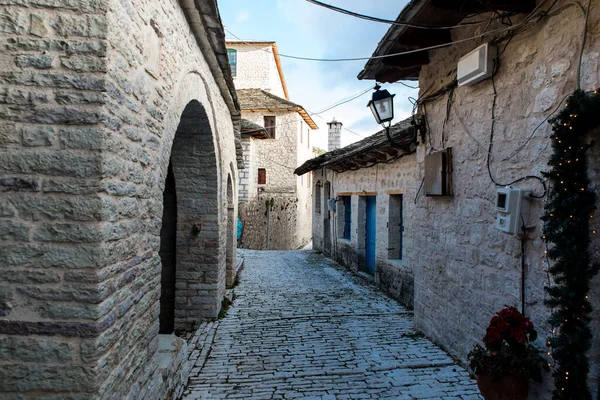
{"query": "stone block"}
pixel 31 61
pixel 80 98
pixel 37 26
pixel 68 233
pixel 32 377
pixel 9 135
pixel 38 276
pixel 83 138
pixel 84 63
pixel 13 230
pixel 35 136
pixel 35 350
pixel 6 300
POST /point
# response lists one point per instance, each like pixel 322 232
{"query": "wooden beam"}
pixel 391 75
pixel 408 60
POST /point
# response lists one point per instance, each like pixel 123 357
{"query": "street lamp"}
pixel 382 106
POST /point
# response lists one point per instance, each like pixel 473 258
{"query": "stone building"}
pixel 274 204
pixel 431 213
pixel 118 179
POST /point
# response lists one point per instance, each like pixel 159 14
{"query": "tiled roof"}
pixel 367 152
pixel 250 128
pixel 261 100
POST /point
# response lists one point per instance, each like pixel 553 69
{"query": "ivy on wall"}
pixel 568 212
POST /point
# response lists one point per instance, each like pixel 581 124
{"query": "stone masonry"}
pixel 457 269
pixel 303 327
pixel 288 224
pixel 97 97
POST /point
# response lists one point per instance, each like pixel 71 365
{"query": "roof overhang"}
pixel 305 116
pixel 252 129
pixel 366 153
pixel 401 38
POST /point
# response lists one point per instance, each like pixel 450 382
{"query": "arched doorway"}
pixel 168 252
pixel 192 275
pixel 231 234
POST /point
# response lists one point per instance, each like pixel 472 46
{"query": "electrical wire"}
pixel 397 23
pixel 344 101
pixel 408 86
pixel 560 103
pixel 583 40
pixel 489 155
pixel 480 36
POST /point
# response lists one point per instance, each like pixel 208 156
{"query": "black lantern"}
pixel 382 105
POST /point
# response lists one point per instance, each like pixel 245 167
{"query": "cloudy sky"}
pixel 307 30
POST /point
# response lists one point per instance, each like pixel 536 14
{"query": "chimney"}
pixel 335 135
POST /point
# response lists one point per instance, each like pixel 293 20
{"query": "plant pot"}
pixel 512 386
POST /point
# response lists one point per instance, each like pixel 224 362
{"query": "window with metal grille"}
pixel 262 176
pixel 232 56
pixel 270 126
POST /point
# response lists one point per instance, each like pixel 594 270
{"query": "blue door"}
pixel 371 236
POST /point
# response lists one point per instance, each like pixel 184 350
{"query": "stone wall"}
pixel 91 99
pixel 466 258
pixel 292 194
pixel 270 222
pixel 394 276
pixel 464 269
pixel 256 68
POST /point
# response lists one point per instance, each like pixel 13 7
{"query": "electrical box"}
pixel 512 209
pixel 438 173
pixel 477 65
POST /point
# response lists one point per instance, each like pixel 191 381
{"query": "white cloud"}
pixel 242 16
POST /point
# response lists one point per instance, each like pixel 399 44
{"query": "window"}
pixel 232 56
pixel 318 198
pixel 301 135
pixel 395 227
pixel 270 126
pixel 308 138
pixel 344 220
pixel 262 176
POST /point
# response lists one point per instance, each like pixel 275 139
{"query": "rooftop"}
pixel 261 100
pixel 372 150
pixel 427 23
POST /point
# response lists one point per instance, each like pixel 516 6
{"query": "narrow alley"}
pixel 303 327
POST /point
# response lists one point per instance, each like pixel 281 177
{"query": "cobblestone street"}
pixel 303 327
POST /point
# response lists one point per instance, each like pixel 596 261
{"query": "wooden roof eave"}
pixel 305 116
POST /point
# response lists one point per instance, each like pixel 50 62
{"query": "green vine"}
pixel 567 230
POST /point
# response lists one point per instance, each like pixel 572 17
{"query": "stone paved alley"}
pixel 303 327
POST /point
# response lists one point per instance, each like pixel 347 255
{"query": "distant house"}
pixel 274 204
pixel 420 214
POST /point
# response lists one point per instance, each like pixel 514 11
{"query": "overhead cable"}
pixel 400 23
pixel 480 36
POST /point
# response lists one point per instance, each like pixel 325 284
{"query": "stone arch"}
pixel 230 261
pixel 193 174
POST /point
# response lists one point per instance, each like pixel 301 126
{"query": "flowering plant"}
pixel 508 347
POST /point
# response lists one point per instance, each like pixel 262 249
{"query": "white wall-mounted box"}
pixel 512 210
pixel 477 65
